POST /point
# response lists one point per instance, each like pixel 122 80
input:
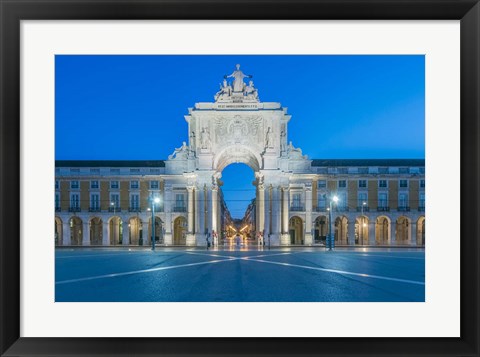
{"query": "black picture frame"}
pixel 13 11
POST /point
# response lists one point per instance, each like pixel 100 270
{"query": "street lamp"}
pixel 331 237
pixel 363 222
pixel 113 222
pixel 153 202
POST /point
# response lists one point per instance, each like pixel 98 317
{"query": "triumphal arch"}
pixel 237 127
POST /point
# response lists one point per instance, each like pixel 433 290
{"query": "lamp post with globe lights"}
pixel 331 238
pixel 153 201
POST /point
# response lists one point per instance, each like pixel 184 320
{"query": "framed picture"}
pixel 347 232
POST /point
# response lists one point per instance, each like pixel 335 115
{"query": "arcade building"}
pixel 371 202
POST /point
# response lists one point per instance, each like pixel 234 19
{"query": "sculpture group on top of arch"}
pixel 238 89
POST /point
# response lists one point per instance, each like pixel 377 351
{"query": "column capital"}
pixel 190 188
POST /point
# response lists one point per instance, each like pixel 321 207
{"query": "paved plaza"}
pixel 240 275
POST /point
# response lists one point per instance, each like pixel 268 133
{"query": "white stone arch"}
pixel 58 231
pixel 95 230
pixel 115 230
pixel 237 153
pixel 403 230
pixel 361 230
pixel 383 226
pixel 421 231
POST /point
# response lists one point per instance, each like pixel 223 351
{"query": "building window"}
pixel 342 201
pixel 403 170
pixel 322 183
pixel 382 200
pixel 363 170
pixel 297 201
pixel 94 202
pixel 134 184
pixel 362 198
pixel 115 200
pixel 115 171
pixel 96 171
pixel 74 184
pixel 114 184
pixel 134 170
pixel 383 170
pixel 362 183
pixel 57 186
pixel 57 201
pixel 94 184
pixel 422 183
pixel 342 184
pixel 179 202
pixel 402 200
pixel 134 201
pixel 403 183
pixel 75 201
pixel 421 203
pixel 154 185
pixel 322 202
pixel 382 183
pixel 342 170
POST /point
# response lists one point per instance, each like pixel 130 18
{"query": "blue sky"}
pixel 132 107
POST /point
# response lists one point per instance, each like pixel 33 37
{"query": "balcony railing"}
pixel 383 209
pixel 179 209
pixel 94 209
pixel 114 209
pixel 341 209
pixel 58 209
pixel 403 209
pixel 421 209
pixel 363 208
pixel 134 209
pixel 74 209
pixel 297 208
pixel 321 209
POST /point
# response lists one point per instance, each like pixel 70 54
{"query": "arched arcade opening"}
pixel 76 231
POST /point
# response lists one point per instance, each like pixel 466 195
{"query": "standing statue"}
pixel 282 141
pixel 269 138
pixel 238 76
pixel 192 140
pixel 205 138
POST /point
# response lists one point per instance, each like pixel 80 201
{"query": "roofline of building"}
pixel 367 162
pixel 315 163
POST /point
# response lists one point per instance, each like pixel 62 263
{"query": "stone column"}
pixel 146 239
pixel 168 206
pixel 267 213
pixel 214 212
pixel 190 210
pixel 261 209
pixel 126 232
pixel 351 232
pixel 371 232
pixel 200 221
pixel 105 237
pixel 308 215
pixel 413 233
pixel 276 216
pixel 285 240
pixel 86 233
pixel 66 233
pixel 393 232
